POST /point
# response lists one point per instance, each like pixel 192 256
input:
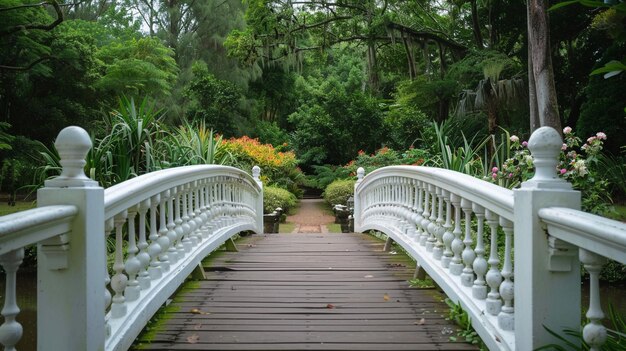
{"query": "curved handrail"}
pixel 600 235
pixel 169 220
pixel 123 195
pixel 429 211
pixel 32 226
pixel 488 195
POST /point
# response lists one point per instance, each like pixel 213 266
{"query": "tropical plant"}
pixel 615 341
pixel 465 159
pixel 133 131
pixel 457 314
pixel 192 144
pixel 327 174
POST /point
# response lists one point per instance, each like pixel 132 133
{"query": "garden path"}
pixel 311 217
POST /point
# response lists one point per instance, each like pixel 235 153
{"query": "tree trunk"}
pixel 478 37
pixel 408 48
pixel 539 46
pixel 532 94
pixel 372 67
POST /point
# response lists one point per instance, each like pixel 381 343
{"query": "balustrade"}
pixel 464 232
pixel 161 225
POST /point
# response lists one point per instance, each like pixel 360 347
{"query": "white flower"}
pixel 601 136
pixel 567 130
pixel 514 138
pixel 580 167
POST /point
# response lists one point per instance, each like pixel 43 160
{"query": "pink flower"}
pixel 564 147
pixel 591 139
pixel 510 175
pixel 494 175
pixel 524 143
pixel 601 136
pixel 563 170
pixel 494 170
pixel 567 130
pixel 514 139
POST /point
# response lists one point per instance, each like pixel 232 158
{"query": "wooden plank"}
pixel 305 292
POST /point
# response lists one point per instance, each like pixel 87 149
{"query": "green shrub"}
pixel 277 197
pixel 339 191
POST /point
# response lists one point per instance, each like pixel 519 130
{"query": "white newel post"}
pixel 70 274
pixel 356 208
pixel 256 174
pixel 546 271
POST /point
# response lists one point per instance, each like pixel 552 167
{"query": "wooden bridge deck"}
pixel 305 292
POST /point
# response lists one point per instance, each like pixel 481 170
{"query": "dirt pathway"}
pixel 311 217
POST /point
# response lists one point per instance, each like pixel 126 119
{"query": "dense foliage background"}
pixel 314 85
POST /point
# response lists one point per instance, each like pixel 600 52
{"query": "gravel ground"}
pixel 311 217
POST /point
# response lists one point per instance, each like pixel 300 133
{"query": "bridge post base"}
pixel 388 244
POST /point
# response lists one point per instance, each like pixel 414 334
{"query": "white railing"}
pixel 465 232
pixel 597 239
pixel 162 225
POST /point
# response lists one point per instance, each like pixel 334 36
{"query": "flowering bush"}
pixel 387 157
pixel 279 168
pixel 577 164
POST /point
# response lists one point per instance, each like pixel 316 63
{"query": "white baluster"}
pixel 594 333
pixel 119 280
pixel 447 235
pixel 11 329
pixel 432 227
pixel 179 229
pixel 143 256
pixel 204 216
pixel 191 215
pixel 108 226
pixel 439 229
pixel 418 219
pixel 456 265
pixel 163 240
pixel 154 249
pixel 467 277
pixel 196 212
pixel 425 215
pixel 506 319
pixel 479 290
pixel 494 278
pixel 172 253
pixel 187 244
pixel 133 265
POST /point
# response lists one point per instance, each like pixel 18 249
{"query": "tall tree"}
pixel 544 109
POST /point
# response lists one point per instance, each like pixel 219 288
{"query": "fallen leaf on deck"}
pixel 192 339
pixel 420 322
pixel 368 276
pixel 197 327
pixel 386 297
pixel 330 306
pixel 197 311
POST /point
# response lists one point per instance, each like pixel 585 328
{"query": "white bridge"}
pixel 464 232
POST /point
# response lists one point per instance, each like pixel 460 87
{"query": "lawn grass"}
pixel 333 227
pixel 619 214
pixel 286 227
pixel 19 206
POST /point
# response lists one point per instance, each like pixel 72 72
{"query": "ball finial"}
pixel 256 173
pixel 73 144
pixel 545 145
pixel 360 173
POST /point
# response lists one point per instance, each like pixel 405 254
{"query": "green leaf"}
pixel 610 67
pixel 562 4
